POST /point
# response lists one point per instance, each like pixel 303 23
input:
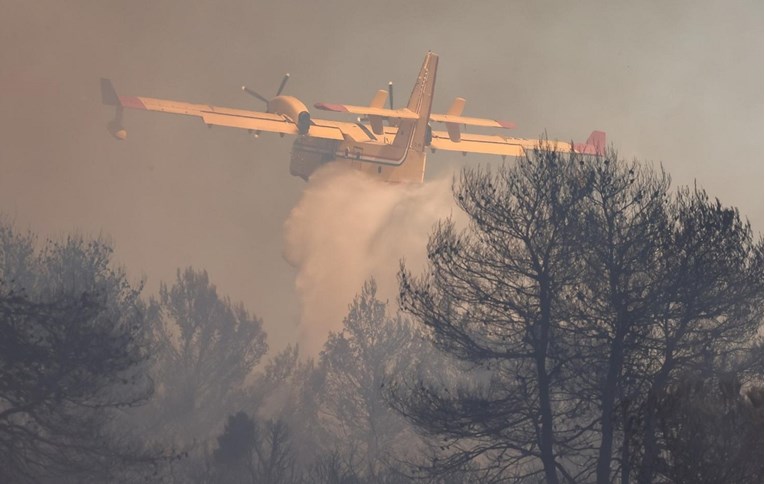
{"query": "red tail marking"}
pixel 595 144
pixel 131 102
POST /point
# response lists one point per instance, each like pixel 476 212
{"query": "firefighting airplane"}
pixel 395 152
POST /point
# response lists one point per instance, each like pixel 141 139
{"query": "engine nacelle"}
pixel 294 109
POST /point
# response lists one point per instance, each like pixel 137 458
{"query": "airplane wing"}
pixel 479 143
pixel 506 146
pixel 487 123
pixel 233 118
pixel 367 110
pixel 453 123
pixel 408 114
pixel 355 131
pixel 453 119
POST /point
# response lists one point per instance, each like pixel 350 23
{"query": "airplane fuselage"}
pixel 380 158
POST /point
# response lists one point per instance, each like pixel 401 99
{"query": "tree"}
pixel 623 230
pixel 207 347
pixel 492 298
pixel 333 468
pixel 73 350
pixel 340 425
pixel 580 291
pixel 666 281
pixel 290 390
pixel 233 457
pixel 354 366
pixel 275 461
pixel 249 451
pixel 710 309
pixel 712 430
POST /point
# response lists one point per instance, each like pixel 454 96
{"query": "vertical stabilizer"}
pixel 403 159
pixel 595 144
pixel 412 132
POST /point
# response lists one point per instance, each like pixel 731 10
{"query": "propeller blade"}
pixel 254 94
pixel 284 81
pixel 390 94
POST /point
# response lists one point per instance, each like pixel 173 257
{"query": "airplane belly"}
pixel 308 154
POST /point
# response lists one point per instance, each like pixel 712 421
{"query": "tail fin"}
pixel 412 132
pixel 595 144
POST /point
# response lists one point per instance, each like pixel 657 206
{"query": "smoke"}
pixel 348 227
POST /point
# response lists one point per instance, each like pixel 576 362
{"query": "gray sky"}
pixel 678 83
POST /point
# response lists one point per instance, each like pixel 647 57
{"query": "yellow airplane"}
pixel 394 153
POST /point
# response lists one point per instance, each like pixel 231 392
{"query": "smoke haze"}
pixel 674 82
pixel 348 227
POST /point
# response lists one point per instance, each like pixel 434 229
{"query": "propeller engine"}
pixel 288 106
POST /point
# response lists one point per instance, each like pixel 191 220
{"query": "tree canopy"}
pixel 73 350
pixel 586 289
